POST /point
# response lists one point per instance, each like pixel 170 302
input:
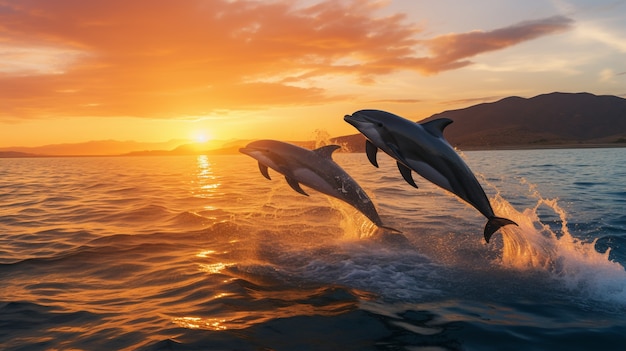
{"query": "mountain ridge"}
pixel 547 120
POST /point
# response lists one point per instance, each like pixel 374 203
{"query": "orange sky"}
pixel 73 70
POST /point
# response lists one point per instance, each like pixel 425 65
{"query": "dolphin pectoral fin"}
pixel 295 185
pixel 406 174
pixel 264 172
pixel 494 224
pixel 371 150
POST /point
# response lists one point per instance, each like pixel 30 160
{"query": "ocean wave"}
pixel 154 253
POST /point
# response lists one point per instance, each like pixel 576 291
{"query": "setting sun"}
pixel 201 136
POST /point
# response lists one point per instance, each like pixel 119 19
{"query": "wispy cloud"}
pixel 603 35
pixel 165 59
pixel 453 51
pixel 35 60
pixel 397 101
pixel 607 75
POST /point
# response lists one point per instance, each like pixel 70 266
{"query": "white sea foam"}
pixel 575 263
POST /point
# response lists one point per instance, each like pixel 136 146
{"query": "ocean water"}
pixel 203 253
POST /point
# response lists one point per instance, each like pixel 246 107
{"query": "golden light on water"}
pixel 204 167
pixel 205 253
pixel 200 323
pixel 214 268
pixel 206 181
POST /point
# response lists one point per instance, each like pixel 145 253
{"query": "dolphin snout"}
pixel 356 119
pixel 351 119
pixel 247 150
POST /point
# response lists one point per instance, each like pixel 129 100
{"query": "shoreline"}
pixel 456 147
pixel 542 147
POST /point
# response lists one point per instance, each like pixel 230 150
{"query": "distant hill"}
pixel 545 120
pixel 187 149
pixel 227 148
pixel 96 147
pixel 548 120
pixel 16 154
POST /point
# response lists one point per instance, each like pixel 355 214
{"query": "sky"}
pixel 156 70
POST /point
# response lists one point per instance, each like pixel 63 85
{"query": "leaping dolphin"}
pixel 423 149
pixel 315 169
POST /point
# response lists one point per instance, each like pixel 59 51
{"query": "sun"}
pixel 201 136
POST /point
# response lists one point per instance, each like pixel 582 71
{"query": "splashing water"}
pixel 354 225
pixel 577 264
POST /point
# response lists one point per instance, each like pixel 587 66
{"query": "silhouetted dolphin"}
pixel 313 168
pixel 423 149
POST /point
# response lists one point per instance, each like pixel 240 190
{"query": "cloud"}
pixel 607 75
pixel 452 51
pixel 170 59
pixel 164 58
pixel 602 35
pixel 31 60
pixel 397 101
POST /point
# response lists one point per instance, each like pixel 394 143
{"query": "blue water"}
pixel 203 253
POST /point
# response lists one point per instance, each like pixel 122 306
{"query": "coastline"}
pixel 230 151
pixel 541 147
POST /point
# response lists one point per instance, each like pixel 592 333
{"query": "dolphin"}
pixel 315 169
pixel 421 147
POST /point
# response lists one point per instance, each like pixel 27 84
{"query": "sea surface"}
pixel 204 253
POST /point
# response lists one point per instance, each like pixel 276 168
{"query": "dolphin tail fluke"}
pixel 494 224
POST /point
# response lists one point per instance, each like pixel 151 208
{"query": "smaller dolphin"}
pixel 423 149
pixel 315 169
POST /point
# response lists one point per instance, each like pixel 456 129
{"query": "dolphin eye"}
pixel 379 124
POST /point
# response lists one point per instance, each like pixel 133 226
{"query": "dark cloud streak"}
pixel 452 51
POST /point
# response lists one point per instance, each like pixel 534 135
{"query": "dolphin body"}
pixel 315 169
pixel 423 149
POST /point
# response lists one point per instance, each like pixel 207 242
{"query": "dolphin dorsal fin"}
pixel 436 126
pixel 326 151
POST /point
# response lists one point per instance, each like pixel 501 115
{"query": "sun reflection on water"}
pixel 206 180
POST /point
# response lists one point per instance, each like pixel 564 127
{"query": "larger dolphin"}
pixel 313 168
pixel 423 149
